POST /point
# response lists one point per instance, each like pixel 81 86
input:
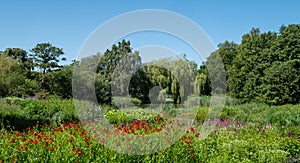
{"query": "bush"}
pixel 117 116
pixel 125 102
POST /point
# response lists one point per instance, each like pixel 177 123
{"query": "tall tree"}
pixel 46 56
pixel 22 58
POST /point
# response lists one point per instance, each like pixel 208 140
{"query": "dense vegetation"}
pixel 244 133
pixel 259 122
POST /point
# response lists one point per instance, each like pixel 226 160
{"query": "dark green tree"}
pixel 46 57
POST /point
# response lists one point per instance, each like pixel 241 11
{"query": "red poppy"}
pixel 35 142
pixel 51 148
pixel 136 126
pixel 82 132
pixel 87 139
pixel 192 129
pixel 192 154
pixel 18 133
pixel 23 139
pixel 46 143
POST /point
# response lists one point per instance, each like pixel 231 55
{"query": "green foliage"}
pixel 265 67
pixel 23 112
pixel 116 116
pixel 129 115
pixel 46 56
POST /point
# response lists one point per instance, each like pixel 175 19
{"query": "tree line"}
pixel 264 67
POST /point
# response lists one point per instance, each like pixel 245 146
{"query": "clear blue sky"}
pixel 68 23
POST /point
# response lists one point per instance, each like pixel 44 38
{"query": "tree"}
pixel 46 56
pixel 22 58
pixel 13 81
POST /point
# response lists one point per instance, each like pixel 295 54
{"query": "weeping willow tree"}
pixel 175 76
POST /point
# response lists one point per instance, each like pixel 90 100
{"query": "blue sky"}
pixel 67 24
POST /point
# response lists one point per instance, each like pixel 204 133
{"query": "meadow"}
pixel 50 131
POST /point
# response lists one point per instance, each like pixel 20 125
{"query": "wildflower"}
pixel 70 140
pixel 26 135
pixel 28 128
pixel 13 160
pixel 51 148
pixel 13 140
pixel 82 133
pixel 46 143
pixel 280 134
pixel 197 134
pixel 79 153
pixel 23 139
pixel 102 140
pixel 87 139
pixel 192 129
pixel 25 148
pixel 129 147
pixel 192 154
pixel 39 137
pixel 263 130
pixel 289 133
pixel 51 140
pixel 18 133
pixel 35 142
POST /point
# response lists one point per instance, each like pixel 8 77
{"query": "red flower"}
pixel 136 126
pixel 87 139
pixel 74 149
pixel 23 139
pixel 35 142
pixel 70 140
pixel 192 154
pixel 25 148
pixel 197 134
pixel 129 147
pixel 38 137
pixel 46 143
pixel 82 133
pixel 13 141
pixel 26 135
pixel 18 133
pixel 13 160
pixel 192 129
pixel 51 148
pixel 28 128
pixel 51 140
pixel 79 153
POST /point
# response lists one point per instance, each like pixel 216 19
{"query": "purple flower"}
pixel 289 133
pixel 263 130
pixel 280 134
